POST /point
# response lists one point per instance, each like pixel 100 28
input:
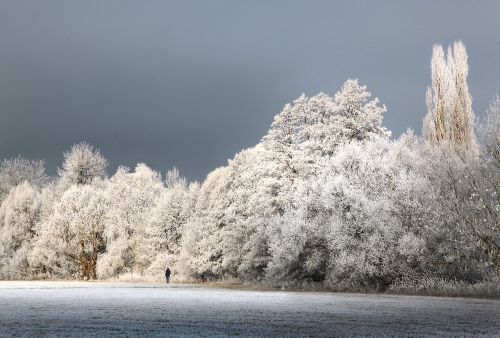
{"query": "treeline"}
pixel 326 198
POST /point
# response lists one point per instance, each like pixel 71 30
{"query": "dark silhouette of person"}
pixel 167 275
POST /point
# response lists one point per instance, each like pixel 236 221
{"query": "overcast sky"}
pixel 190 83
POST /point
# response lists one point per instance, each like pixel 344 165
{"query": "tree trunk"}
pixel 83 261
pixel 93 257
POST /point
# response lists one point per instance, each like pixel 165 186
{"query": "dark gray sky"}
pixel 190 83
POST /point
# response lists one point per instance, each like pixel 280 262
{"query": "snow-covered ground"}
pixel 99 309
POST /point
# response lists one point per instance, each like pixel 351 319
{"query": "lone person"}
pixel 167 275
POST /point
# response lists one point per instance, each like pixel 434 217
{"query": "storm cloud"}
pixel 190 83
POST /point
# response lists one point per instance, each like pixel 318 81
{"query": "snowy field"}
pixel 99 309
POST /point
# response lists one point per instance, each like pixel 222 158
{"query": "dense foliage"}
pixel 326 198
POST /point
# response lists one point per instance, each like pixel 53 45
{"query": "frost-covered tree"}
pixel 461 185
pixel 466 208
pixel 287 236
pixel 55 250
pixel 437 97
pixel 449 105
pixel 490 133
pixel 465 183
pixel 298 245
pixel 261 185
pixel 320 126
pixel 201 251
pixel 461 123
pixel 260 182
pixel 82 164
pixel 315 127
pixel 131 196
pixel 328 122
pixel 168 220
pixel 362 219
pixel 15 171
pixel 276 155
pixel 69 240
pixel 378 200
pixel 480 204
pixel 19 213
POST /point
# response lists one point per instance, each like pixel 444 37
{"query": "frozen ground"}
pixel 100 309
